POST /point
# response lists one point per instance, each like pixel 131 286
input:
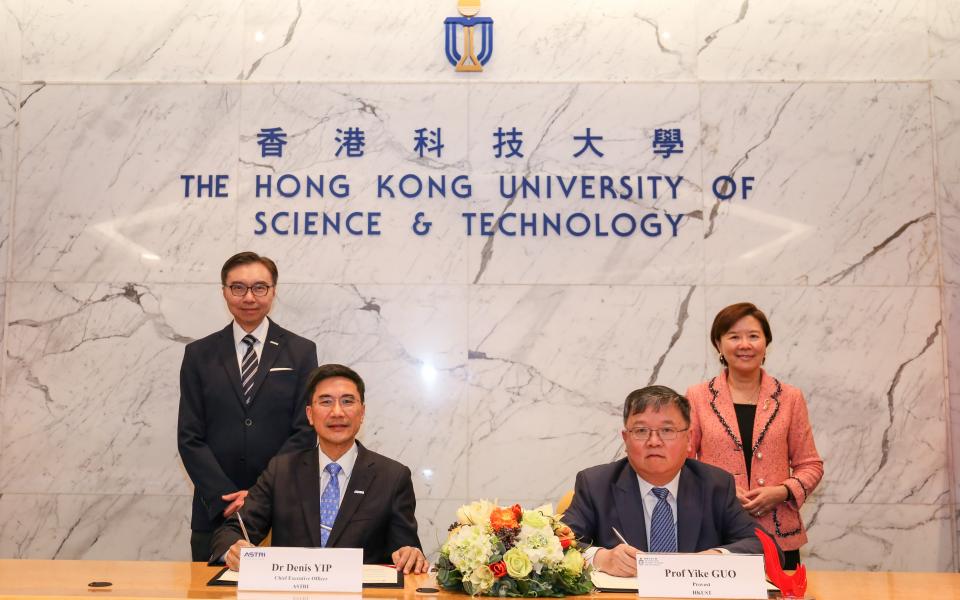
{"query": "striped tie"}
pixel 663 533
pixel 248 368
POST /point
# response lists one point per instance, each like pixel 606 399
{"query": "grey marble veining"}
pixel 878 537
pixel 946 112
pixel 550 367
pixel 106 41
pixel 843 192
pixel 99 194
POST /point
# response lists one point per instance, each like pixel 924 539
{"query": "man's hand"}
pixel 410 560
pixel 762 499
pixel 710 551
pixel 233 554
pixel 620 561
pixel 236 501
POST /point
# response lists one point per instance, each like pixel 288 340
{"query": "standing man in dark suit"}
pixel 659 500
pixel 337 494
pixel 242 397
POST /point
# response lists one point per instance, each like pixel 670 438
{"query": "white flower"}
pixel 469 547
pixel 475 513
pixel 540 545
pixel 481 578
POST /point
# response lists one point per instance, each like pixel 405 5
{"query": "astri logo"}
pixel 469 60
pixel 254 553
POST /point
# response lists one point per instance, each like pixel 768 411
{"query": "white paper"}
pixel 280 569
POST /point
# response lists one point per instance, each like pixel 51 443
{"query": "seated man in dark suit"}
pixel 639 495
pixel 366 501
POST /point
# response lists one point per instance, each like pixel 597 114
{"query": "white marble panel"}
pixel 388 116
pixel 434 517
pixel 946 115
pixel 811 40
pixel 843 193
pixel 944 39
pixel 407 342
pixel 8 130
pixel 95 527
pixel 104 40
pixel 535 40
pixel 878 537
pixel 550 117
pixel 869 361
pixel 99 190
pixel 92 374
pixel 550 367
pixel 10 24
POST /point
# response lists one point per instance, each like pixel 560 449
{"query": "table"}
pixel 56 579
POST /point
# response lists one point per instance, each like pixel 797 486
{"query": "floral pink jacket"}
pixel 784 450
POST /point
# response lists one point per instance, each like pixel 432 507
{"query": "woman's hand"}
pixel 760 500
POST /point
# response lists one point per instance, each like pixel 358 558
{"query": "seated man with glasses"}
pixel 337 494
pixel 242 395
pixel 656 499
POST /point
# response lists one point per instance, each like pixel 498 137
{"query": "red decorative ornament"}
pixel 791 586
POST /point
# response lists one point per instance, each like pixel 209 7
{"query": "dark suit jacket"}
pixel 708 513
pixel 287 498
pixel 224 444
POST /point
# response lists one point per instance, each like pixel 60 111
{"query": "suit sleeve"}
pixel 581 515
pixel 303 435
pixel 805 461
pixel 198 459
pixel 257 513
pixel 403 521
pixel 737 525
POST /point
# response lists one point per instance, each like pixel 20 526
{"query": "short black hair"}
pixel 656 396
pixel 247 258
pixel 333 370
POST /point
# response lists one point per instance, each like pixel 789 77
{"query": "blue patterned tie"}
pixel 329 503
pixel 663 534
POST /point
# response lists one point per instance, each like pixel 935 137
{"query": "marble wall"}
pixel 496 366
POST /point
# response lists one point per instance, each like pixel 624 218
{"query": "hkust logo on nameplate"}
pixel 468 25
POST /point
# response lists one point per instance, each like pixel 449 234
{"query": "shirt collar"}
pixel 346 462
pixel 673 485
pixel 260 332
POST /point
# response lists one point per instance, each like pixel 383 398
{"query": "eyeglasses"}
pixel 642 434
pixel 240 290
pixel 346 402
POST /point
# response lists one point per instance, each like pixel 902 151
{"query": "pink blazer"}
pixel 784 451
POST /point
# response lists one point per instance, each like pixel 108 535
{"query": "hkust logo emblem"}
pixel 469 60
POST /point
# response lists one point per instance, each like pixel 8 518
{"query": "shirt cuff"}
pixel 589 553
pixel 722 550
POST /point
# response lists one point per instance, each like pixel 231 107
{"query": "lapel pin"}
pixel 274 343
pixel 358 492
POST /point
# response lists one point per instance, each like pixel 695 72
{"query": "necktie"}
pixel 663 533
pixel 329 503
pixel 248 368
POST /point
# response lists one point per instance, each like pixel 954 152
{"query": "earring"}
pixel 723 360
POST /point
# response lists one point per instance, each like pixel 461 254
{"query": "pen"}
pixel 247 537
pixel 615 532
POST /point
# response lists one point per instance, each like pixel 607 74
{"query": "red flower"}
pixel 517 511
pixel 565 543
pixel 499 569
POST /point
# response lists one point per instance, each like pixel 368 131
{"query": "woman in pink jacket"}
pixel 756 428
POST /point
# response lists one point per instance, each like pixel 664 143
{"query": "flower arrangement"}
pixel 510 552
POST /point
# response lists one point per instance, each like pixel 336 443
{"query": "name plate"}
pixel 701 576
pixel 274 569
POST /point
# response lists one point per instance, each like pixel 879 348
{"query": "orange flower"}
pixel 502 518
pixel 563 532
